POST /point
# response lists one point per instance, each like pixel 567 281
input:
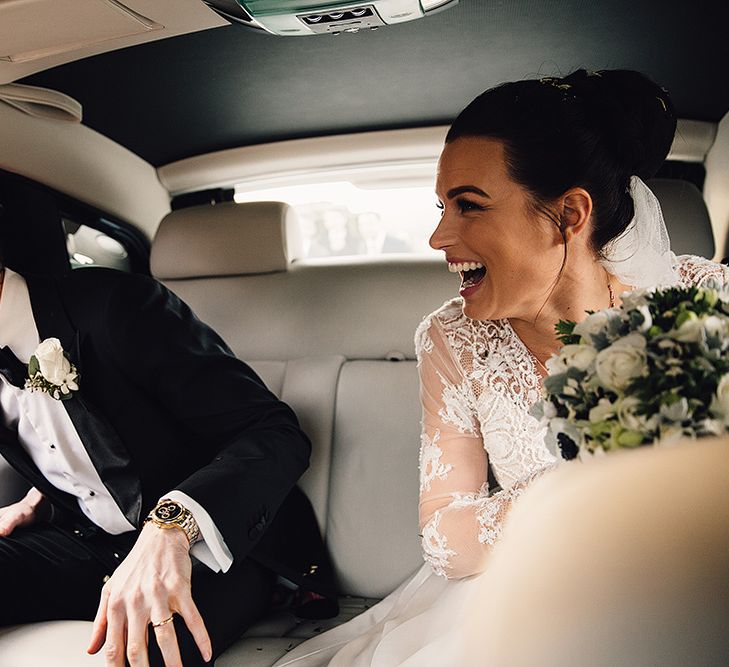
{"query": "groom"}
pixel 157 461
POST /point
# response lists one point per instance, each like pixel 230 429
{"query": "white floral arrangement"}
pixel 50 371
pixel 653 369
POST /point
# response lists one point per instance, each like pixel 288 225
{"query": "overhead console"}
pixel 307 17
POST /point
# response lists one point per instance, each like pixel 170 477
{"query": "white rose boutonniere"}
pixel 50 371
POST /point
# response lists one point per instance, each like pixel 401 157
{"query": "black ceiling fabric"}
pixel 231 86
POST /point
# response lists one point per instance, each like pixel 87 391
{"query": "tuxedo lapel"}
pixel 14 370
pixel 103 445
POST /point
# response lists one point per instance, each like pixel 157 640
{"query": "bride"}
pixel 545 216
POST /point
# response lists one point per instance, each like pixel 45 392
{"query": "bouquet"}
pixel 654 369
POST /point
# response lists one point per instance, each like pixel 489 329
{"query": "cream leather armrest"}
pixel 620 561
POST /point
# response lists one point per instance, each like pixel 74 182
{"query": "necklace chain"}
pixel 612 294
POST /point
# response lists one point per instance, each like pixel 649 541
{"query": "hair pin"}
pixel 551 81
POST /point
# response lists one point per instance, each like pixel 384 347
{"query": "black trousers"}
pixel 52 572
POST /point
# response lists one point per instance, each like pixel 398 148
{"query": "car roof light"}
pixel 308 17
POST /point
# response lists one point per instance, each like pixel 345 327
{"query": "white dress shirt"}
pixel 47 434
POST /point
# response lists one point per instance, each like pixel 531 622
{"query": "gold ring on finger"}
pixel 165 622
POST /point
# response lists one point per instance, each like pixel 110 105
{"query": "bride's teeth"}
pixel 464 266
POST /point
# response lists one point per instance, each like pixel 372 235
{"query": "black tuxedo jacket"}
pixel 163 404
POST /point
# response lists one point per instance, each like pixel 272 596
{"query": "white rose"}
pixel 578 356
pixel 676 412
pixel 715 326
pixel 555 365
pixel 720 403
pixel 690 331
pixel 635 299
pixel 629 419
pixel 54 366
pixel 624 360
pixel 592 324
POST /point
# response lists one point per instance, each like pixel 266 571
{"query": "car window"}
pixel 341 218
pixel 90 247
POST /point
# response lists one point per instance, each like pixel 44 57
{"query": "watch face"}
pixel 169 511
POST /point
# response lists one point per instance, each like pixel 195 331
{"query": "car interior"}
pixel 272 163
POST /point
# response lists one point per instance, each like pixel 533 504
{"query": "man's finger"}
pixel 116 632
pixel 167 642
pixel 137 649
pixel 196 625
pixel 98 633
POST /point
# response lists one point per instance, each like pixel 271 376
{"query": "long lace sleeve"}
pixel 459 521
pixel 694 270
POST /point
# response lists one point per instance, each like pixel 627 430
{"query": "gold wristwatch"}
pixel 171 514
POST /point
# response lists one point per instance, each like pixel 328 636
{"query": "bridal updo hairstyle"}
pixel 590 129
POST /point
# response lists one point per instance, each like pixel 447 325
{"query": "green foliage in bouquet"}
pixel 655 368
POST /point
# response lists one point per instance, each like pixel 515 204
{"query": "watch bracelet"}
pixel 188 526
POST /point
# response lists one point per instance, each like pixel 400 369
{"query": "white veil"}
pixel 641 256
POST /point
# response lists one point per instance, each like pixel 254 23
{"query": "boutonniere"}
pixel 51 371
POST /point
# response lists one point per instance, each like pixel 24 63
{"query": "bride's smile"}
pixel 472 274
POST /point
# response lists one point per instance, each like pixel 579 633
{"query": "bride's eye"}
pixel 439 205
pixel 466 205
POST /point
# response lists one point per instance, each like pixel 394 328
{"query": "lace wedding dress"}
pixel 478 382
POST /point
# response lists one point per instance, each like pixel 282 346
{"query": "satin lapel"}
pixel 14 370
pixel 104 447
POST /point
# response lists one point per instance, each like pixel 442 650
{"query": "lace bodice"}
pixel 477 384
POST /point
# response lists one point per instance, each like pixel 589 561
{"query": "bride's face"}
pixel 511 254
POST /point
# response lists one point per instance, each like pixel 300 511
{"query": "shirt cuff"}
pixel 210 549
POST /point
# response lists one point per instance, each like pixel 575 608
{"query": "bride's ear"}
pixel 576 211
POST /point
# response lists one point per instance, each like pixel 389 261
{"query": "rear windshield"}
pixel 341 218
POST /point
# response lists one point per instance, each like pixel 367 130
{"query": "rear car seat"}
pixel 333 338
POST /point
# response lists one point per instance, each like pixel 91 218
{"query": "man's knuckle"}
pixel 157 588
pixel 135 651
pixel 116 603
pixel 112 652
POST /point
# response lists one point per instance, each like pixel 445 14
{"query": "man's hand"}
pixel 151 584
pixel 31 509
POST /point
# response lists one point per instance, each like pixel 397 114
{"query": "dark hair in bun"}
pixel 589 129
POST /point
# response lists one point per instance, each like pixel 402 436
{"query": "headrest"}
pixel 687 218
pixel 225 240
